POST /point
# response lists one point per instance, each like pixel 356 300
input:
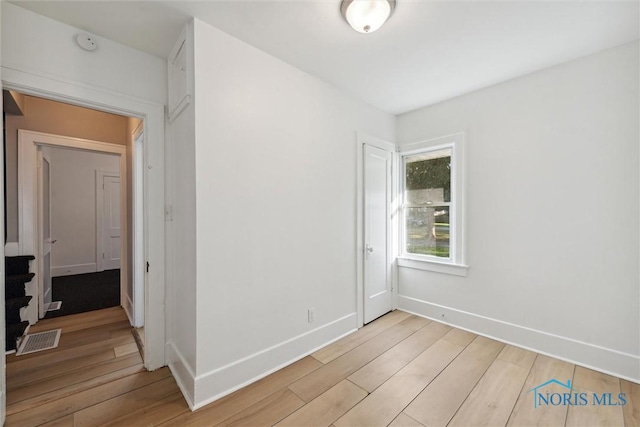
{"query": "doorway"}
pixel 376 222
pixel 88 237
pixel 87 250
pixel 85 230
pixel 154 177
pixel 108 233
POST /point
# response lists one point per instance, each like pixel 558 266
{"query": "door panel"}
pixel 377 199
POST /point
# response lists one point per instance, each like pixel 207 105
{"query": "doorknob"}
pixel 368 250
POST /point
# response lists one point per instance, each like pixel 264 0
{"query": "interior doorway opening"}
pixel 153 115
pixel 79 132
pixel 85 231
pixel 376 236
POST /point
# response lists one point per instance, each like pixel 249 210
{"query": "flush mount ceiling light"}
pixel 366 16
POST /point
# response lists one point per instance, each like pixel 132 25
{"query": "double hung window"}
pixel 431 215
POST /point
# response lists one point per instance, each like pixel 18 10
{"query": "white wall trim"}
pixel 12 249
pixel 592 356
pixel 48 291
pixel 128 308
pixel 438 267
pixel 219 382
pixel 153 114
pixel 70 270
pixel 137 226
pixel 182 372
pixel 180 76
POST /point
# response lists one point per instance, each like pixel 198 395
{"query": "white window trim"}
pixel 456 263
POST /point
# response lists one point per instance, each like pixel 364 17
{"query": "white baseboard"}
pixel 70 270
pixel 215 384
pixel 11 249
pixel 182 372
pixel 613 362
pixel 128 308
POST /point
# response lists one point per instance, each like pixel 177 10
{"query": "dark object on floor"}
pixel 85 292
pixel 16 276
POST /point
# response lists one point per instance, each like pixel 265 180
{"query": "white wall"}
pixel 552 212
pixel 73 208
pixel 47 47
pixel 181 243
pixel 56 118
pixel 275 211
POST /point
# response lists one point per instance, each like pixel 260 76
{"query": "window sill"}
pixel 438 267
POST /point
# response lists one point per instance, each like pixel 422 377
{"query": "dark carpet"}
pixel 85 292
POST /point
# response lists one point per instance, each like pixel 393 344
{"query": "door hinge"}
pixel 147 266
pixel 102 255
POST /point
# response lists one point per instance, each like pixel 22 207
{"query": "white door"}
pixel 44 230
pixel 138 229
pixel 111 223
pixel 377 222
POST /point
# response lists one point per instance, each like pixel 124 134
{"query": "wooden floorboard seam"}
pixel 521 390
pixel 411 358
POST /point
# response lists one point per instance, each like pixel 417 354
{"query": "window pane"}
pixel 427 231
pixel 428 178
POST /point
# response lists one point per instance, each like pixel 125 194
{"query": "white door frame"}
pixel 100 237
pixel 42 156
pixel 137 224
pixel 362 139
pixel 154 174
pixel 28 229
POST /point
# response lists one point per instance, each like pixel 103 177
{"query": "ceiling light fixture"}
pixel 366 16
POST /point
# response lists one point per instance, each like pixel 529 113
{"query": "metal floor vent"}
pixel 40 341
pixel 54 306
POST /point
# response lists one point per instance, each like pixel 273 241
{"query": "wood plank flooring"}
pixel 400 370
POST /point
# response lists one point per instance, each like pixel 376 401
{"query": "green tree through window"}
pixel 432 173
pixel 427 201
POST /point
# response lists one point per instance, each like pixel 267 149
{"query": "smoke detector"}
pixel 86 42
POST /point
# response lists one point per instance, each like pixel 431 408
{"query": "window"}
pixel 427 203
pixel 431 215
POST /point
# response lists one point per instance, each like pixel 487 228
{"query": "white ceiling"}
pixel 427 52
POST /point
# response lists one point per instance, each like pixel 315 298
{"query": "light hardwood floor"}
pixel 400 370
